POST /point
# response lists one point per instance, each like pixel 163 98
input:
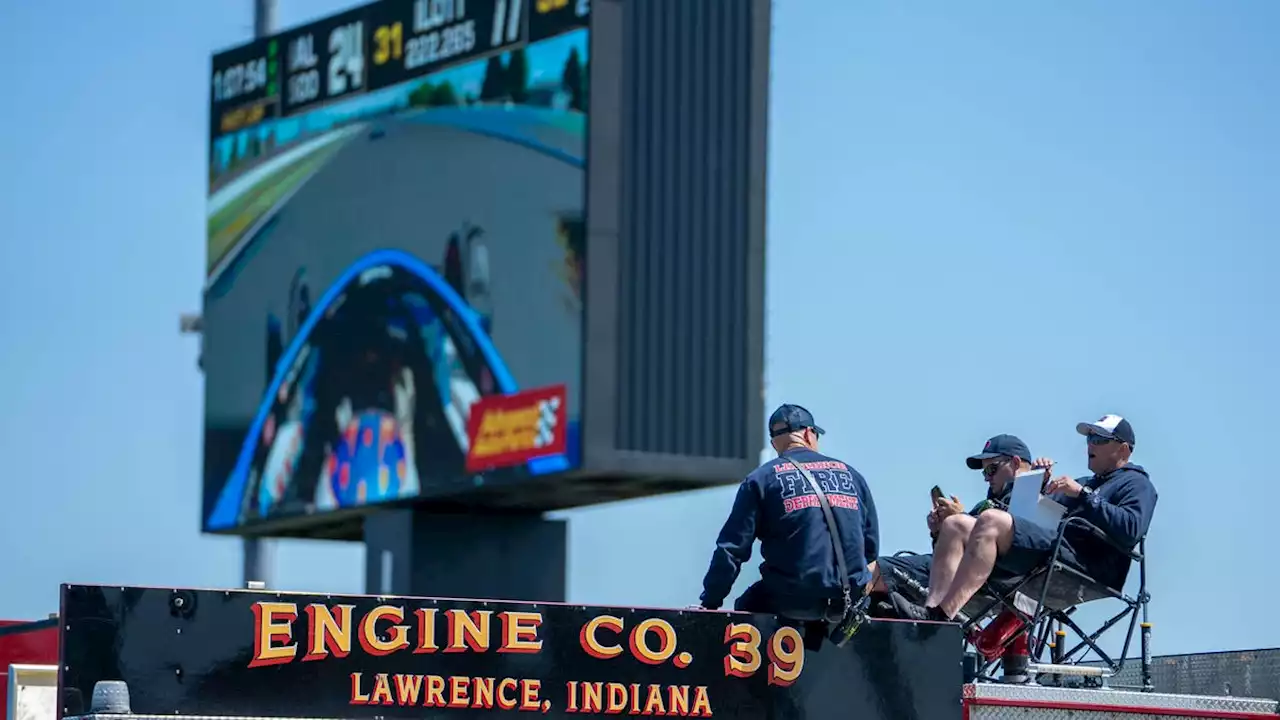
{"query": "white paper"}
pixel 1026 502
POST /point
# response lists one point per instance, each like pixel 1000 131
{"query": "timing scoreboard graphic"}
pixel 372 47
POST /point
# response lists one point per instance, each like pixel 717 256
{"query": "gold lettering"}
pixel 375 645
pixel 435 692
pixel 506 694
pixel 328 633
pixel 654 706
pixel 468 630
pixel 520 632
pixel 483 690
pixel 529 690
pixel 408 688
pixel 358 696
pixel 701 704
pixel 678 700
pixel 381 691
pixel 273 621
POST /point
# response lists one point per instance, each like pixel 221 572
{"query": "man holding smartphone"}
pixel 1119 499
pixel 908 576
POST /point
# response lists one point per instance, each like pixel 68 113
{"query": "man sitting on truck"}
pixel 1119 499
pixel 776 504
pixel 1002 457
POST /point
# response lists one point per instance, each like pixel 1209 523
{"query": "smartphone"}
pixel 936 494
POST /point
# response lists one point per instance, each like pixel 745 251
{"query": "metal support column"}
pixel 259 553
pixel 264 18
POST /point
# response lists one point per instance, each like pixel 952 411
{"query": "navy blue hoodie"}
pixel 1121 505
pixel 776 505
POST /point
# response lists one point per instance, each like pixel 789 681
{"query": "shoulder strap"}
pixel 832 527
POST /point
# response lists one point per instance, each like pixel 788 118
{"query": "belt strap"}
pixel 833 528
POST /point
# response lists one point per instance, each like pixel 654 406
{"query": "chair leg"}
pixel 1091 640
pixel 1042 642
pixel 1148 683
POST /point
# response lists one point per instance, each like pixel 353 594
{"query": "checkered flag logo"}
pixel 546 431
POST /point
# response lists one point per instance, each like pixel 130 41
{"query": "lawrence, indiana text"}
pixel 334 631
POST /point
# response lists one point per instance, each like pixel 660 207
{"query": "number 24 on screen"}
pixel 785 650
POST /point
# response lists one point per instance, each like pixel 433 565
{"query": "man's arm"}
pixel 870 522
pixel 1125 517
pixel 733 547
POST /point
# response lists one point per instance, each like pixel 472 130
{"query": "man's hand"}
pixel 1042 463
pixel 946 507
pixel 1065 485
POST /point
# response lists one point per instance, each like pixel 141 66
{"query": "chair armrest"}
pixel 1133 554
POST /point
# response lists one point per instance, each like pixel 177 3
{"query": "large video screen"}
pixel 393 306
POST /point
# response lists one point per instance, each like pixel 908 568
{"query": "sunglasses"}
pixel 1099 440
pixel 993 468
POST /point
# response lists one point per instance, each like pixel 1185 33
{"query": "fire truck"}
pixel 114 653
pixel 28 668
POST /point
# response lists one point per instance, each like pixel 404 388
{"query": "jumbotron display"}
pixel 393 309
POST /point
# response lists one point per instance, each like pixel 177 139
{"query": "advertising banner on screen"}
pixel 505 430
pixel 261 654
pixel 395 245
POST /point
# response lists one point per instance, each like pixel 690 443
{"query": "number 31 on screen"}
pixel 785 650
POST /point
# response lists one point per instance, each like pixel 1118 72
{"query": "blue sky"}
pixel 984 217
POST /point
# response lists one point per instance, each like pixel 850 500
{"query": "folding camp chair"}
pixel 1045 601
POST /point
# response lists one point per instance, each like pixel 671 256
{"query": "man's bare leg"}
pixel 877 582
pixel 953 534
pixel 991 537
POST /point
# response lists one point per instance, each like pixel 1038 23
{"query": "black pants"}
pixel 907 575
pixel 758 599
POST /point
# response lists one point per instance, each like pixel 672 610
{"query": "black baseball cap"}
pixel 791 418
pixel 999 446
pixel 1108 426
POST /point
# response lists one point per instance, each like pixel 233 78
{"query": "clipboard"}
pixel 1028 503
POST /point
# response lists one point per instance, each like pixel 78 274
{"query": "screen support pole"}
pixel 264 18
pixel 259 552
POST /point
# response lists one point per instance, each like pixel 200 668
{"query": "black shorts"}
pixel 907 575
pixel 1029 550
pixel 759 599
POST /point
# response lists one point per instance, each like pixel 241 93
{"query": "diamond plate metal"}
pixel 994 712
pixel 1078 703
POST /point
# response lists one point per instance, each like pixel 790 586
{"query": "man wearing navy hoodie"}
pixel 1118 499
pixel 775 503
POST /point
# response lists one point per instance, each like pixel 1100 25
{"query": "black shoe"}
pixel 882 609
pixel 908 610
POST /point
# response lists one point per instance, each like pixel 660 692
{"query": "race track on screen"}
pixel 406 184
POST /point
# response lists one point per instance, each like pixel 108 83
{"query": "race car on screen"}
pixel 379 383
